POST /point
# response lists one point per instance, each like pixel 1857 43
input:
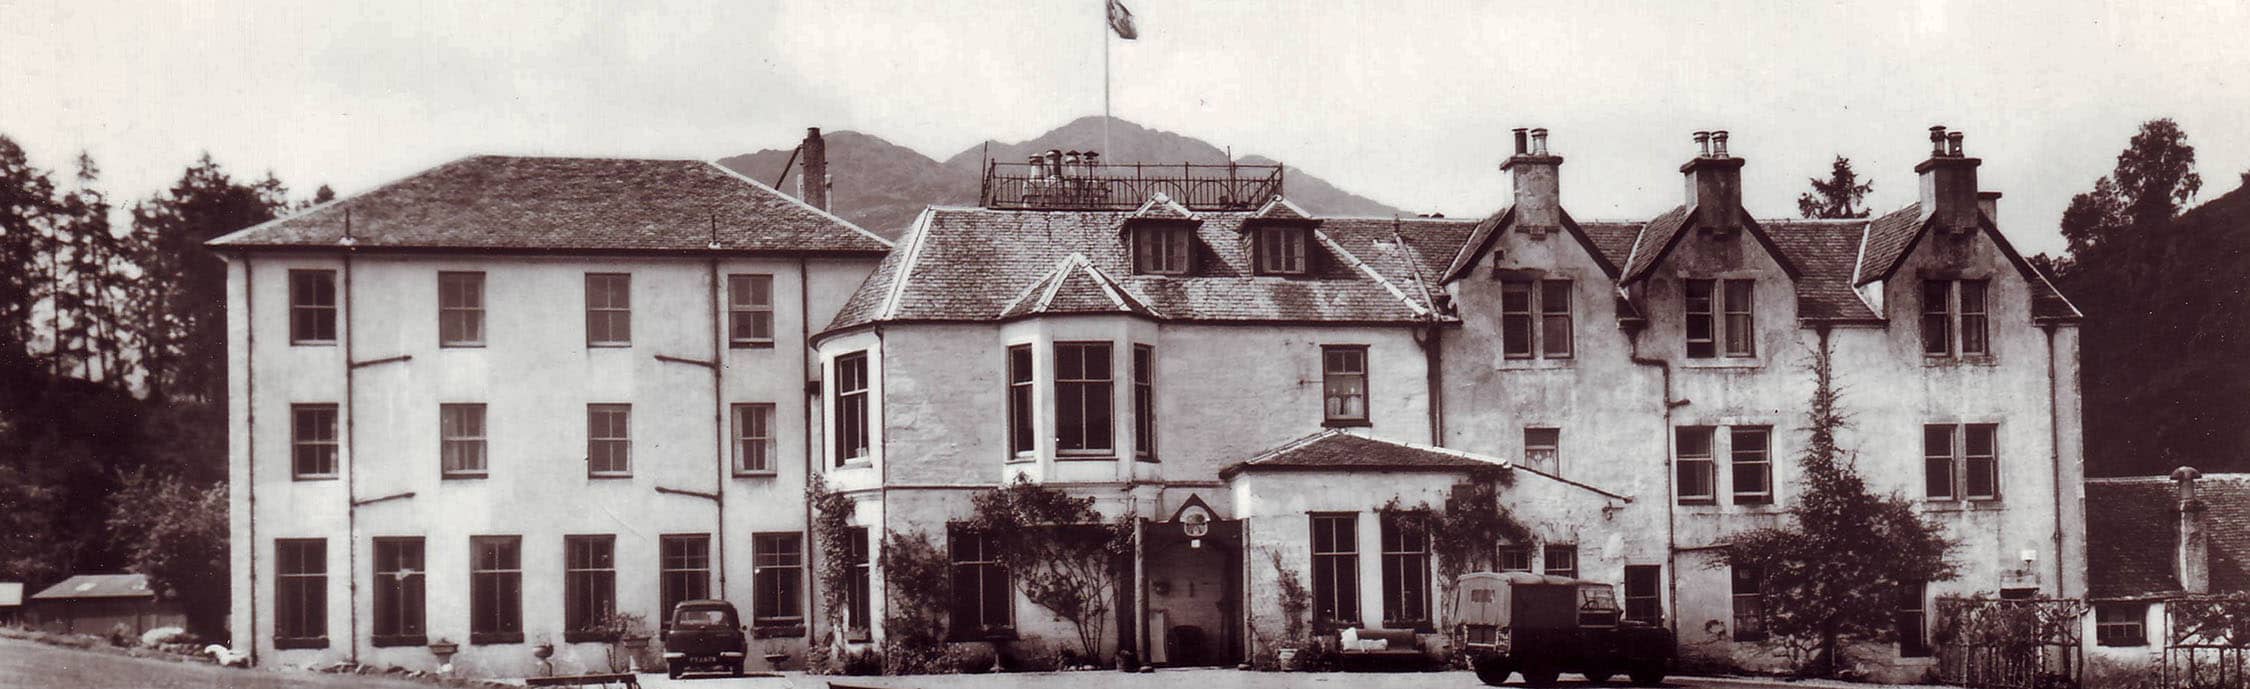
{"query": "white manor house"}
pixel 486 405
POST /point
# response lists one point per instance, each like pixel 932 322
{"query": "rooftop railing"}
pixel 1124 187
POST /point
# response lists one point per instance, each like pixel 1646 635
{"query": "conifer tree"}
pixel 1831 573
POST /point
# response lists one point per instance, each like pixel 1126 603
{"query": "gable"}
pixel 1490 232
pixel 1894 238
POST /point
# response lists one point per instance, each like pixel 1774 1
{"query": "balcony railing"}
pixel 1124 187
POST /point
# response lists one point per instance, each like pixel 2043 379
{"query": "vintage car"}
pixel 704 635
pixel 1543 626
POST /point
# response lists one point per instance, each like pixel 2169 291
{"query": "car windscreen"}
pixel 702 617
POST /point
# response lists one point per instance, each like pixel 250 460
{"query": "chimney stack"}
pixel 1949 183
pixel 1714 184
pixel 1536 176
pixel 1988 203
pixel 2193 559
pixel 812 180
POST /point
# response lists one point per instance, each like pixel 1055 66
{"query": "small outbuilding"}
pixel 97 603
pixel 11 602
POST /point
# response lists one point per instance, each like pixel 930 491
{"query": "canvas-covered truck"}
pixel 1543 626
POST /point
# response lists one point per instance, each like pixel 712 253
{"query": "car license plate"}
pixel 703 659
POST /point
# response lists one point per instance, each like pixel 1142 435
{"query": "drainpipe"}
pixel 1433 360
pixel 250 442
pixel 718 421
pixel 804 371
pixel 351 469
pixel 2054 453
pixel 1671 503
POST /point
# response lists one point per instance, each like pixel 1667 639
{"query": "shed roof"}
pixel 2132 531
pixel 89 586
pixel 1337 450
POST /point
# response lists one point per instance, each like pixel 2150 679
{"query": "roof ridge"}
pixel 1278 450
pixel 920 232
pixel 801 202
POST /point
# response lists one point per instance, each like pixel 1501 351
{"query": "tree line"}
pixel 113 427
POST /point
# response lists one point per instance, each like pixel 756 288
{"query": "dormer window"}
pixel 1163 250
pixel 1281 250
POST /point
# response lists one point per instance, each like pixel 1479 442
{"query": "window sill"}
pixel 313 477
pixel 460 345
pixel 1147 459
pixel 768 344
pixel 1756 503
pixel 1537 363
pixel 1724 364
pixel 757 474
pixel 1004 634
pixel 1086 458
pixel 1961 505
pixel 609 476
pixel 463 475
pixel 487 638
pixel 281 644
pixel 609 345
pixel 1698 502
pixel 778 629
pixel 313 343
pixel 1347 423
pixel 391 641
pixel 856 463
pixel 1949 361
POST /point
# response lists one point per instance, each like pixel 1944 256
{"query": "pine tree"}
pixel 1839 196
pixel 1831 573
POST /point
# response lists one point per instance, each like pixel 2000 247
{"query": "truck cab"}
pixel 1545 625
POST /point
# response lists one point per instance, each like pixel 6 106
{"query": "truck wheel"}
pixel 1541 677
pixel 1648 674
pixel 1493 670
pixel 672 671
pixel 1599 676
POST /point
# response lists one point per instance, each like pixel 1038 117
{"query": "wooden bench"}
pixel 622 679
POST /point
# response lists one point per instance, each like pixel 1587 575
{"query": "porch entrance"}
pixel 1190 591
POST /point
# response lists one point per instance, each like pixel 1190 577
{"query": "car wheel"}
pixel 1648 674
pixel 737 669
pixel 673 672
pixel 1540 677
pixel 1599 676
pixel 1492 670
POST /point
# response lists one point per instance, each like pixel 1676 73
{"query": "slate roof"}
pixel 1076 286
pixel 2132 531
pixel 1823 251
pixel 86 586
pixel 1336 450
pixel 506 203
pixel 1653 237
pixel 1891 236
pixel 972 264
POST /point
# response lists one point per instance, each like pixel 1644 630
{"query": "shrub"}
pixel 161 636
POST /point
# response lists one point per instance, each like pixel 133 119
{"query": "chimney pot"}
pixel 1703 144
pixel 1522 145
pixel 1953 142
pixel 1535 175
pixel 1539 141
pixel 1937 141
pixel 1719 144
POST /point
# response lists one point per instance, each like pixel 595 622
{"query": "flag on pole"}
pixel 1121 21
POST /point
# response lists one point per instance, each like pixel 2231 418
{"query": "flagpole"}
pixel 1105 29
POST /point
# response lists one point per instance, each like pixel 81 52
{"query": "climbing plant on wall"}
pixel 1066 558
pixel 917 585
pixel 832 536
pixel 1469 533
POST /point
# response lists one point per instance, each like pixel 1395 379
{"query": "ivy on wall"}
pixel 832 536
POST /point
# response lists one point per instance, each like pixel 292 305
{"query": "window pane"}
pixel 1515 318
pixel 1753 467
pixel 1973 336
pixel 1937 451
pixel 1021 438
pixel 753 438
pixel 1344 383
pixel 1937 333
pixel 1741 331
pixel 1698 297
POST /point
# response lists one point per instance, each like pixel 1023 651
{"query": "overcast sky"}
pixel 1405 101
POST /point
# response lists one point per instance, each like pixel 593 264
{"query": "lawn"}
pixel 29 664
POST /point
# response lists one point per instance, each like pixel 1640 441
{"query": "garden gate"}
pixel 2010 644
pixel 2207 642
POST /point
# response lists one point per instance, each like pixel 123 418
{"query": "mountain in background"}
pixel 881 185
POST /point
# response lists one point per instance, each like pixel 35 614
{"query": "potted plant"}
pixel 444 649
